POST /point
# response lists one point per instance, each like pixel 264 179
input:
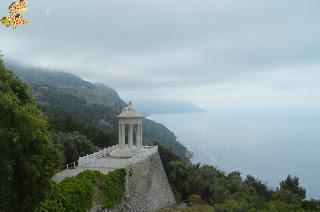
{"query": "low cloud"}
pixel 231 52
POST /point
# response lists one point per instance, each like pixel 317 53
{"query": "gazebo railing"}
pixel 142 156
pixel 72 165
pixel 91 159
pixel 88 159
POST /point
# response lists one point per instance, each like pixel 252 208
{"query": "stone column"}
pixel 123 136
pixel 120 134
pixel 138 136
pixel 130 136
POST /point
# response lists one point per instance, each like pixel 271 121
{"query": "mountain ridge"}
pixel 92 102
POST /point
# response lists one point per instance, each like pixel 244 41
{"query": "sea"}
pixel 269 144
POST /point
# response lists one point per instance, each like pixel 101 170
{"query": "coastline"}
pixel 248 148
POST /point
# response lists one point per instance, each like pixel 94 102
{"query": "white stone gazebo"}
pixel 128 152
pixel 130 133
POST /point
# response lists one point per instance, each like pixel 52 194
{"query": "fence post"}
pixel 87 159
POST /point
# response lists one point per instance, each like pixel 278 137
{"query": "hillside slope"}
pixel 90 102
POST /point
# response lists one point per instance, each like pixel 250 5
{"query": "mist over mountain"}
pixel 94 103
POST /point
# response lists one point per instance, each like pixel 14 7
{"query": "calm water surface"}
pixel 268 144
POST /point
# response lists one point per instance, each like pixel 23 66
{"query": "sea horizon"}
pixel 267 143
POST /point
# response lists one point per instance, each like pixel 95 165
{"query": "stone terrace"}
pixel 103 162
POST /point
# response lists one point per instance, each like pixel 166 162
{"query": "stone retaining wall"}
pixel 147 187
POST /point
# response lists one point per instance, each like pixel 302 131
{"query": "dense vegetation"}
pixel 27 158
pixel 79 192
pixel 31 150
pixel 206 188
pixel 74 137
pixel 72 145
pixel 64 122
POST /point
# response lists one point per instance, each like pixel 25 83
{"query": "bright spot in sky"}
pixel 48 12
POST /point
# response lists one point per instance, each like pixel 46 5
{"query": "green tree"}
pixel 290 192
pixel 292 184
pixel 195 199
pixel 281 206
pixel 167 155
pixel 232 205
pixel 260 188
pixel 27 159
pixel 311 205
pixel 64 122
pixel 72 145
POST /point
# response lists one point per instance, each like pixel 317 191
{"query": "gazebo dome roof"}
pixel 130 112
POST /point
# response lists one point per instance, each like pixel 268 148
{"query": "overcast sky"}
pixel 209 52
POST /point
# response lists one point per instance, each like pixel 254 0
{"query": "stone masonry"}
pixel 147 187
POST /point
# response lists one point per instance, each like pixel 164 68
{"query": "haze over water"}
pixel 266 143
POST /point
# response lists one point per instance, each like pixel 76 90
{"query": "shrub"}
pixel 79 192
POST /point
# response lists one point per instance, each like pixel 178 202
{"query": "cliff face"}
pixel 147 187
